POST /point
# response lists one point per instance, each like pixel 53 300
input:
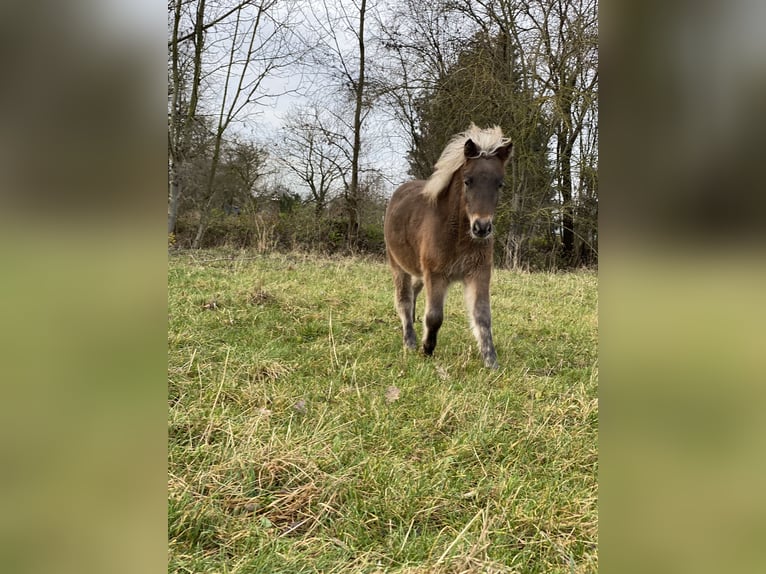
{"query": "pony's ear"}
pixel 470 149
pixel 505 152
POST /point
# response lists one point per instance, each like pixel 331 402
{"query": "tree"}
pixel 341 52
pixel 182 113
pixel 243 165
pixel 310 149
pixel 258 46
pixel 421 42
pixel 485 85
pixel 359 93
pixel 563 44
pixel 236 49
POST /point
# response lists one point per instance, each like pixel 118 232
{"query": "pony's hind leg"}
pixel 404 301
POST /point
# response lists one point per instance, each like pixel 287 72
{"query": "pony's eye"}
pixel 500 184
pixel 468 180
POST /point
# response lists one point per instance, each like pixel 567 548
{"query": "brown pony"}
pixel 439 231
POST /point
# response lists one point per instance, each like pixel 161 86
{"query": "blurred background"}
pixel 682 287
pixel 82 295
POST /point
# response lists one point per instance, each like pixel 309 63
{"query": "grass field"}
pixel 302 438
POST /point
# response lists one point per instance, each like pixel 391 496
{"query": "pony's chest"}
pixel 466 262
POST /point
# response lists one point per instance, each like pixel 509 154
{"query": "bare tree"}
pixel 563 49
pixel 311 149
pixel 359 93
pixel 182 114
pixel 243 166
pixel 237 46
pixel 421 41
pixel 341 56
pixel 259 44
pixel 429 69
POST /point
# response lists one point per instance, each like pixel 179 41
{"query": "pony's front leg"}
pixel 477 305
pixel 436 290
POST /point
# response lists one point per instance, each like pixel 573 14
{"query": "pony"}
pixel 440 231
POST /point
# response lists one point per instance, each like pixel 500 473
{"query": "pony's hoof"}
pixel 491 363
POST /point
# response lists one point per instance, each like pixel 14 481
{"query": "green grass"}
pixel 303 438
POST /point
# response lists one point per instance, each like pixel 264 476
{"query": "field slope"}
pixel 302 438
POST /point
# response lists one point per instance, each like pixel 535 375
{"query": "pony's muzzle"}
pixel 481 228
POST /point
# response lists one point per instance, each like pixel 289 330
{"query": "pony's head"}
pixel 480 157
pixel 483 175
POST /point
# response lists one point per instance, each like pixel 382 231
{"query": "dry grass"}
pixel 303 439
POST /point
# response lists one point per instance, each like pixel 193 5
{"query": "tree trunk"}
pixel 200 233
pixel 180 132
pixel 353 192
pixel 568 132
pixel 567 215
pixel 204 216
pixel 175 196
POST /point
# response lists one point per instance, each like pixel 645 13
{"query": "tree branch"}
pixel 205 27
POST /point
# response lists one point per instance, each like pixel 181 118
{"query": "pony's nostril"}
pixel 489 228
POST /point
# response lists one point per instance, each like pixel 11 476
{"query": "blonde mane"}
pixel 453 157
